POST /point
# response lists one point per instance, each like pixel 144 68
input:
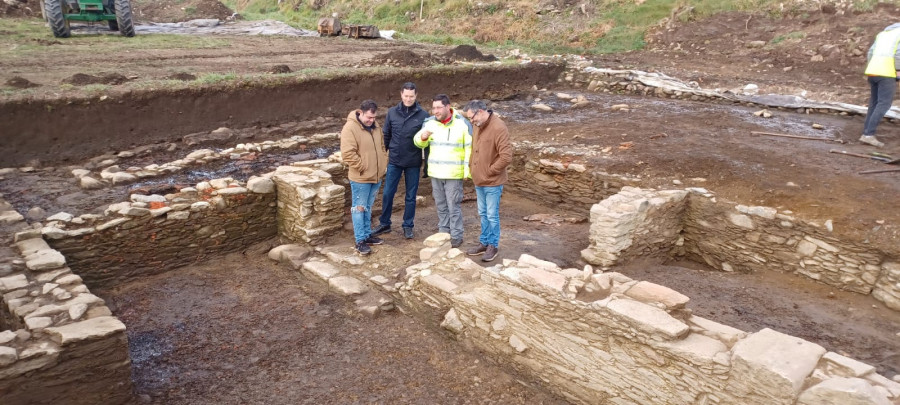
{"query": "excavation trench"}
pixel 211 320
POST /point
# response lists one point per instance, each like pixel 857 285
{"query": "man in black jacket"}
pixel 404 158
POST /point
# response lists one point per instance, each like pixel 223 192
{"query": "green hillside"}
pixel 587 26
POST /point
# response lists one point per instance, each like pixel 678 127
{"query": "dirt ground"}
pixel 699 144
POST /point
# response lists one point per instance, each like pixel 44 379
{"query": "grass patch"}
pixel 213 78
pixel 788 36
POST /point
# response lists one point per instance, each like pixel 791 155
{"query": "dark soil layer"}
pixel 62 130
pixel 242 330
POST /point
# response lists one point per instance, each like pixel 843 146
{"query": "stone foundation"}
pixel 59 343
pixel 735 238
pixel 153 234
pixel 605 338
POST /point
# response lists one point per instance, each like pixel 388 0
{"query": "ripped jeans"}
pixel 363 196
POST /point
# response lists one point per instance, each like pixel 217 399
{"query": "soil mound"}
pixel 280 69
pixel 81 79
pixel 169 11
pixel 20 83
pixel 469 53
pixel 185 77
pixel 407 58
pixel 20 8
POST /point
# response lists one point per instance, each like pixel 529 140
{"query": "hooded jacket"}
pixel 400 126
pixel 883 57
pixel 363 150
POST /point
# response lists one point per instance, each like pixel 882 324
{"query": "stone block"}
pixel 322 270
pixel 555 282
pixel 843 391
pixel 452 322
pixel 773 365
pixel 47 259
pixel 436 281
pixel 7 336
pixel 14 282
pixel 651 293
pixel 7 356
pixel 842 366
pixel 31 246
pixel 696 348
pixel 346 285
pixel 529 260
pixel 90 329
pixel 741 220
pixel 261 185
pixel 437 240
pixel 647 319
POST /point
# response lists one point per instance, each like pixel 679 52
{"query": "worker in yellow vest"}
pixel 884 60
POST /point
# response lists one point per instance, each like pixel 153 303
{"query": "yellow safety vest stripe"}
pixel 882 62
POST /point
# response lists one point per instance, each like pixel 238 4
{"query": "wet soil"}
pixel 697 144
pixel 244 330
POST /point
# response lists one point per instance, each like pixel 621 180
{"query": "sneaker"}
pixel 408 233
pixel 477 250
pixel 455 243
pixel 373 240
pixel 363 249
pixel 871 140
pixel 381 229
pixel 490 254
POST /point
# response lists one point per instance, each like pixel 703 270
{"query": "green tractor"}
pixel 117 13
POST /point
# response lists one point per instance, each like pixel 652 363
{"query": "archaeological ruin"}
pixel 589 333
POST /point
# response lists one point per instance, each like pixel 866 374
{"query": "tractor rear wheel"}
pixel 54 9
pixel 113 25
pixel 124 19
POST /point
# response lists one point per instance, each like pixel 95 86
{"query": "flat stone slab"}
pixel 648 319
pixel 776 363
pixel 844 391
pixel 347 285
pixel 321 270
pixel 85 330
pixel 651 293
pixel 47 259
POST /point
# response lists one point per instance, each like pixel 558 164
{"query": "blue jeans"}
pixel 391 181
pixel 448 196
pixel 489 212
pixel 363 196
pixel 881 95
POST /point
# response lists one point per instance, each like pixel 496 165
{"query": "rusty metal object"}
pixel 363 31
pixel 329 27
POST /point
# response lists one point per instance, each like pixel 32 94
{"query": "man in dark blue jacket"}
pixel 404 158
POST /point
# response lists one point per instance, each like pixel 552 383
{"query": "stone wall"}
pixel 570 186
pixel 62 344
pixel 635 223
pixel 153 234
pixel 310 205
pixel 735 238
pixel 605 338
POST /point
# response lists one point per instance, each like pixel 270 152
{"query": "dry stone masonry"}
pixel 570 186
pixel 113 174
pixel 605 338
pixel 731 237
pixel 154 233
pixel 58 342
pixel 310 205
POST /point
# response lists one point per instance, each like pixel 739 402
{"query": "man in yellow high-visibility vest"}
pixel 884 60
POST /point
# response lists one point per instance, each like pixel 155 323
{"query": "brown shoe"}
pixel 477 250
pixel 490 253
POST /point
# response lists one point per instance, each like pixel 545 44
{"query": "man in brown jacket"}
pixel 362 148
pixel 491 154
